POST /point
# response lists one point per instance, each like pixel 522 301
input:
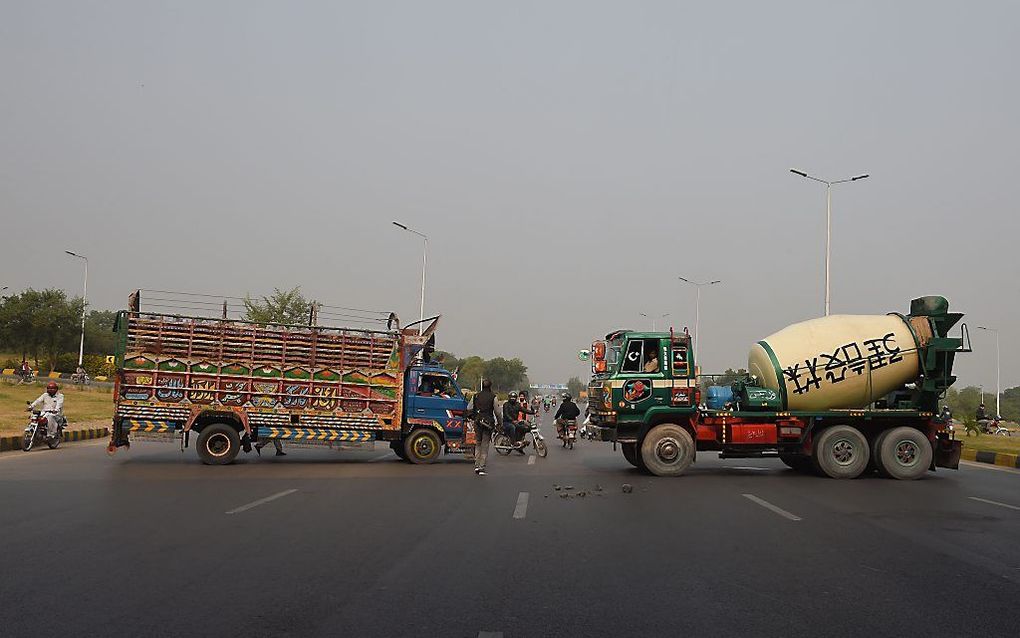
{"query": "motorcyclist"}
pixel 982 418
pixel 568 411
pixel 25 371
pixel 511 415
pixel 52 407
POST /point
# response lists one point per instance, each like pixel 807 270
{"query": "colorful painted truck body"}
pixel 234 384
pixel 658 419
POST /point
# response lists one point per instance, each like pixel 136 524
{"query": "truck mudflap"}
pixel 947 452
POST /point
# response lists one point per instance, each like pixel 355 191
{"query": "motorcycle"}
pixel 995 428
pixel 504 445
pixel 81 379
pixel 36 431
pixel 26 376
pixel 568 433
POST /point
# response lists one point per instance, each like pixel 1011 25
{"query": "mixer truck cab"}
pixel 839 396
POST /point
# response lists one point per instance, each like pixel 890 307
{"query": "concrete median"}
pixel 10 442
pixel 1001 459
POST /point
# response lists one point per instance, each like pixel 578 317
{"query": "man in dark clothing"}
pixel 483 411
pixel 568 411
pixel 514 414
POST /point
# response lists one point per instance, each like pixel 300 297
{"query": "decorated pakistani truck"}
pixel 234 384
pixel 839 395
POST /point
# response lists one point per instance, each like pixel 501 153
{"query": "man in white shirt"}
pixel 51 404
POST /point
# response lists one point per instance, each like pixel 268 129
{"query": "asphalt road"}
pixel 152 543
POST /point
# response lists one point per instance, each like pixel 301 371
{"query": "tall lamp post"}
pixel 663 316
pixel 828 219
pixel 998 388
pixel 84 305
pixel 697 312
pixel 424 265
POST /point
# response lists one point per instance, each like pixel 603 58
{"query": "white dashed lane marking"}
pixel 261 501
pixel 771 507
pixel 985 500
pixel 522 505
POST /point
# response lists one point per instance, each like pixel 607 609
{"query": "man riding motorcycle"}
pixel 52 407
pixel 515 412
pixel 568 411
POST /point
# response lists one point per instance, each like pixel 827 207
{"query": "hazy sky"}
pixel 567 159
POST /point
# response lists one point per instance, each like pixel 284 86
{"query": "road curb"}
pixel 13 442
pixel 993 458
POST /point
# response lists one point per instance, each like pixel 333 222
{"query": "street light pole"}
pixel 84 304
pixel 663 316
pixel 998 387
pixel 697 313
pixel 828 220
pixel 424 267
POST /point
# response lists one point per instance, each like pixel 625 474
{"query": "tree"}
pixel 280 307
pixel 41 323
pixel 575 387
pixel 99 335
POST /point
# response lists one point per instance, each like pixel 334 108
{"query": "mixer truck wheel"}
pixel 841 452
pixel 423 446
pixel 667 450
pixel 903 453
pixel 632 454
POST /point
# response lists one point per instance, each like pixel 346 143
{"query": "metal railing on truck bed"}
pixel 173 367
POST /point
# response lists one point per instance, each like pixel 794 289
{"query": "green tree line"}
pixel 44 328
pixel 964 403
pixel 505 374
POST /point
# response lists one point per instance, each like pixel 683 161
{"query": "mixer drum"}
pixel 837 362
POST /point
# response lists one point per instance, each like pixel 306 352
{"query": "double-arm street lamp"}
pixel 998 388
pixel 646 316
pixel 697 312
pixel 424 265
pixel 828 219
pixel 84 304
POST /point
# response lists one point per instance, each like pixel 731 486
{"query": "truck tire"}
pixel 423 446
pixel 876 456
pixel 841 452
pixel 797 462
pixel 631 453
pixel 218 444
pixel 398 449
pixel 667 450
pixel 903 453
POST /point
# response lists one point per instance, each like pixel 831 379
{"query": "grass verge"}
pixel 86 407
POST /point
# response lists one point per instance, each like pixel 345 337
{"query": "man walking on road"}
pixel 483 411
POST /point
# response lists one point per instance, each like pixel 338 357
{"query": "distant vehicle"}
pixel 869 401
pixel 235 383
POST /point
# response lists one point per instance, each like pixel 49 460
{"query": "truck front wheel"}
pixel 218 444
pixel 903 453
pixel 667 450
pixel 630 452
pixel 423 446
pixel 841 452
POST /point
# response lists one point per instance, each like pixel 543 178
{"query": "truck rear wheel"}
pixel 904 453
pixel 667 450
pixel 841 452
pixel 423 446
pixel 218 444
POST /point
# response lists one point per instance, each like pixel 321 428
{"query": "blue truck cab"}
pixel 434 402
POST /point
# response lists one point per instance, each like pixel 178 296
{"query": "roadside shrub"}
pixel 95 365
pixel 67 362
pixel 10 363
